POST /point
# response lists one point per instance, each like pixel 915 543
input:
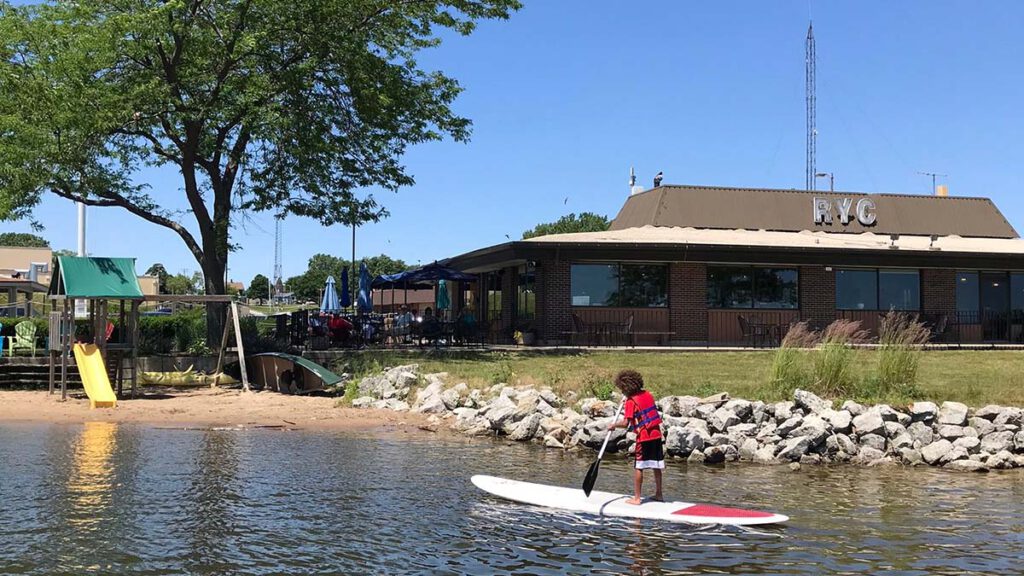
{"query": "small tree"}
pixel 587 222
pixel 160 272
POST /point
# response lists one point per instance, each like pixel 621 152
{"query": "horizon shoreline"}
pixel 206 408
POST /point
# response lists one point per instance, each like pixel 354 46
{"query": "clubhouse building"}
pixel 693 265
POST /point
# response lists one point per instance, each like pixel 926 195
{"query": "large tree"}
pixel 288 106
pixel 23 240
pixel 160 272
pixel 587 222
pixel 259 288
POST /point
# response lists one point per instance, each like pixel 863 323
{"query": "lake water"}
pixel 107 499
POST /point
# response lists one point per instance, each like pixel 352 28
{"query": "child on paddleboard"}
pixel 641 416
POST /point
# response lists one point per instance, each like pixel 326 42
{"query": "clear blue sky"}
pixel 568 94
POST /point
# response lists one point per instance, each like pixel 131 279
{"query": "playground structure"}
pixel 111 357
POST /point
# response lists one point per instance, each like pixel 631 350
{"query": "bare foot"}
pixel 634 500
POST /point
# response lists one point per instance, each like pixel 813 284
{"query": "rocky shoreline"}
pixel 806 430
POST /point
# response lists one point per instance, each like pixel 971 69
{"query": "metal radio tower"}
pixel 812 130
pixel 277 251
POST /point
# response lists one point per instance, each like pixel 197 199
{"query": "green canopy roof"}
pixel 88 277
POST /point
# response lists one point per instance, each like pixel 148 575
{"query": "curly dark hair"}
pixel 629 382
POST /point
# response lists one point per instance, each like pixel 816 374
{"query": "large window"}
pixel 492 295
pixel 628 285
pixel 878 290
pixel 967 292
pixel 748 287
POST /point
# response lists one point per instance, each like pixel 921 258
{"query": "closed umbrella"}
pixel 365 300
pixel 330 301
pixel 346 294
pixel 443 301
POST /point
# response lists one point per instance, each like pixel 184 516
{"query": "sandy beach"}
pixel 207 407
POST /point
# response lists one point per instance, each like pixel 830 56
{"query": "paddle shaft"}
pixel 609 435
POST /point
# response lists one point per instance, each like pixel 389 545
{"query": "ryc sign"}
pixel 824 208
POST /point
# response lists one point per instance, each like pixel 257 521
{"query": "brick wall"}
pixel 508 298
pixel 688 301
pixel 938 291
pixel 817 295
pixel 554 298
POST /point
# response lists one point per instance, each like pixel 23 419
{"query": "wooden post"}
pixel 64 349
pixel 220 355
pixel 133 334
pixel 238 342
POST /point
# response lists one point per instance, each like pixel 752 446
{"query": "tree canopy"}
pixel 23 240
pixel 587 222
pixel 259 288
pixel 287 106
pixel 160 272
pixel 307 285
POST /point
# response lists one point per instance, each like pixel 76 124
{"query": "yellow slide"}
pixel 94 376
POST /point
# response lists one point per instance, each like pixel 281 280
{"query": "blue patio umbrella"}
pixel 443 301
pixel 346 294
pixel 330 300
pixel 365 300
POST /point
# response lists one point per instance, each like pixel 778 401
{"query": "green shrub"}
pixel 503 373
pixel 599 383
pixel 834 358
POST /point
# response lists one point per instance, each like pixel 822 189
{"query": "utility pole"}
pixel 810 98
pixel 933 175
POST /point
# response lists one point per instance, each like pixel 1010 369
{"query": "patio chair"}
pixel 753 333
pixel 579 329
pixel 24 337
pixel 938 329
pixel 624 334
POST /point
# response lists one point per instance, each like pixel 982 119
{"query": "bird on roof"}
pixel 657 179
pixel 506 236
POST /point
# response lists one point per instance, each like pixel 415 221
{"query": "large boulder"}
pixel 722 419
pixel 869 422
pixel 765 454
pixel 997 441
pixel 391 404
pixel 714 454
pixel 875 441
pixel 683 441
pixel 841 444
pixel 1018 441
pixel 741 408
pixel 792 423
pixel 1011 416
pixel 526 428
pixel 902 441
pixel 966 466
pixel 950 432
pixel 839 420
pixel 783 411
pixel 810 402
pixel 953 413
pixel 989 412
pixel 936 451
pixel 748 448
pixel 894 429
pixel 923 411
pixel 969 443
pixel 853 408
pixel 910 456
pixel 921 433
pixel 1001 460
pixel 794 448
pixel 679 406
pixel 982 425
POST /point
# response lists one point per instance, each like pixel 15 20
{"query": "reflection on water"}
pixel 124 499
pixel 89 489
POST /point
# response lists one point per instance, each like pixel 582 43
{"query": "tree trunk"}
pixel 216 313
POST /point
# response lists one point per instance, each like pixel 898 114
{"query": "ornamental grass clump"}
pixel 787 371
pixel 900 339
pixel 833 361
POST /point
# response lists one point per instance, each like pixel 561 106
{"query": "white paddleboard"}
pixel 609 504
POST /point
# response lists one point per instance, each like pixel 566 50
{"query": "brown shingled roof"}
pixel 792 211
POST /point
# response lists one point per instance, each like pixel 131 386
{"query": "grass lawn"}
pixel 974 377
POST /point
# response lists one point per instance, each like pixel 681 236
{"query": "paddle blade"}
pixel 591 477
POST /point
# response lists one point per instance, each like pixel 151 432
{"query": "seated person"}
pixel 430 328
pixel 340 328
pixel 404 321
pixel 465 324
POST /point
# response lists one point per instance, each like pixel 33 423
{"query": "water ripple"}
pixel 128 499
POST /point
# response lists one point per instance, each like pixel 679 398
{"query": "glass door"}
pixel 995 305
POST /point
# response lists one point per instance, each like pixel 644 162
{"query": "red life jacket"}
pixel 643 416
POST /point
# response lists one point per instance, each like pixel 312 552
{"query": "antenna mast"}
pixel 277 252
pixel 812 130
